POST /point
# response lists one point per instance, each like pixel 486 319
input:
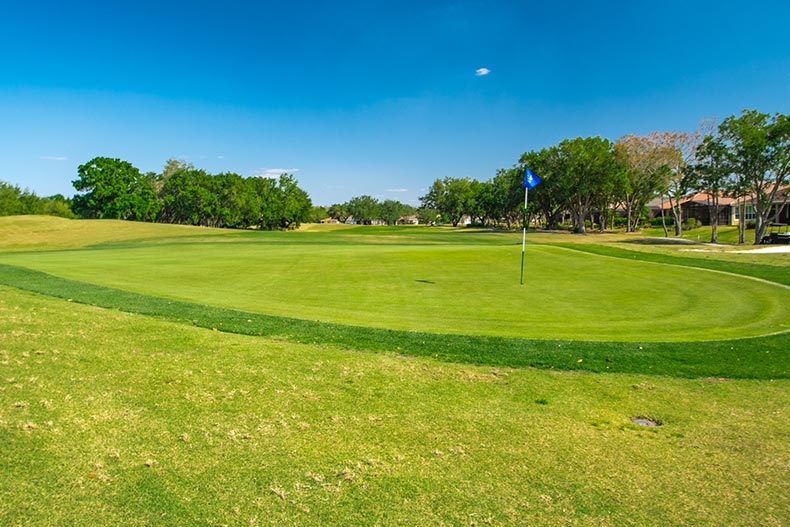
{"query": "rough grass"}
pixel 114 418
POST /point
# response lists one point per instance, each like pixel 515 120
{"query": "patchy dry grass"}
pixel 113 418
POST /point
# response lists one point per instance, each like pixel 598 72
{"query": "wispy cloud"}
pixel 273 172
pixel 220 157
pixel 479 72
pixel 397 190
pixel 54 158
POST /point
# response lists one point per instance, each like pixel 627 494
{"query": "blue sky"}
pixel 376 98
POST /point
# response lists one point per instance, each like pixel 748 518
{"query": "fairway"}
pixel 454 288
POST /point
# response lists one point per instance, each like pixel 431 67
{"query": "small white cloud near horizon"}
pixel 479 72
pixel 397 190
pixel 273 172
pixel 54 158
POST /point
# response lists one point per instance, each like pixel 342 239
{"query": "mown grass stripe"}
pixel 755 358
pixel 771 273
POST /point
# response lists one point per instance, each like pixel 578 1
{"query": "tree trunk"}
pixel 676 215
pixel 714 221
pixel 580 219
pixel 629 222
pixel 664 219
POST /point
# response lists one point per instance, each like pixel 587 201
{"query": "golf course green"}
pixel 463 285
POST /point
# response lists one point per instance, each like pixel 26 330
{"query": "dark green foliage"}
pixel 755 147
pixel 757 358
pixel 452 197
pixel 14 200
pixel 114 189
pixel 317 214
pixel 364 209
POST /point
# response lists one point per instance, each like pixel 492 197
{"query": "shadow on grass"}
pixel 754 358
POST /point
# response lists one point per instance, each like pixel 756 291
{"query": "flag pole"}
pixel 524 235
pixel 530 180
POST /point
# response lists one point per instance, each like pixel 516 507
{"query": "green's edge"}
pixel 750 358
pixel 771 273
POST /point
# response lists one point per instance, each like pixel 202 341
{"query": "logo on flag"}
pixel 530 179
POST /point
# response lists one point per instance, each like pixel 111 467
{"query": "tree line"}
pixel 367 209
pixel 595 180
pixel 116 189
pixel 14 200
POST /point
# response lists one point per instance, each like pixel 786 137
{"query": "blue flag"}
pixel 530 179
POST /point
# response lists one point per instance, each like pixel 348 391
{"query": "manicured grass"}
pixel 743 264
pixel 451 288
pixel 757 358
pixel 110 418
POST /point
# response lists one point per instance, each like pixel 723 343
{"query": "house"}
pixel 699 205
pixel 696 206
pixel 780 207
pixel 408 220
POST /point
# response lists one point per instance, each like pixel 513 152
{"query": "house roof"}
pixel 782 194
pixel 698 198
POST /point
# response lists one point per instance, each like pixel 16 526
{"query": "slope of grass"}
pixel 109 418
pixel 50 232
pixel 758 358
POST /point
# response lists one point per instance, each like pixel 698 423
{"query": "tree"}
pixel 363 208
pixel 338 211
pixel 550 198
pixel 318 214
pixel 189 198
pixel 678 152
pixel 712 174
pixel 758 151
pixel 293 203
pixel 391 211
pixel 587 166
pixel 115 189
pixel 452 197
pixel 644 171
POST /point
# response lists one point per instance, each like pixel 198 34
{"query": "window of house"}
pixel 748 212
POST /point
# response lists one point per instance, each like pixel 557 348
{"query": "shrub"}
pixel 691 223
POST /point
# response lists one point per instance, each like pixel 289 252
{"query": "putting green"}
pixel 461 289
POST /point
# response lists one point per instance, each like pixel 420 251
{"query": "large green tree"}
pixel 587 168
pixel 452 197
pixel 111 188
pixel 293 203
pixel 758 151
pixel 190 197
pixel 363 208
pixel 712 176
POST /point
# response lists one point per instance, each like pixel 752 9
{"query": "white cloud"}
pixel 54 158
pixel 479 72
pixel 220 157
pixel 397 190
pixel 273 172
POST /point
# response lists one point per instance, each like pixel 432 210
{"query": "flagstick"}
pixel 524 236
